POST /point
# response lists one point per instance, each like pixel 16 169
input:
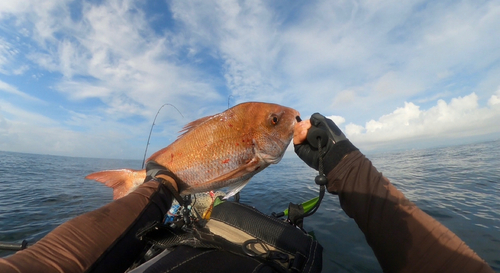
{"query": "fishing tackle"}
pixel 297 212
pixel 151 131
pixel 13 247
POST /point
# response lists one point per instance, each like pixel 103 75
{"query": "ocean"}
pixel 459 186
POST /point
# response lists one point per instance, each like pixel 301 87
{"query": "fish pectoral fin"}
pixel 122 181
pixel 235 188
pixel 251 166
pixel 241 175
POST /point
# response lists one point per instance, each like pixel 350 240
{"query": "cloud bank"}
pixel 442 124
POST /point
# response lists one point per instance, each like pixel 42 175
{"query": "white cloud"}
pixel 337 119
pixel 400 117
pixel 20 70
pixel 344 97
pixel 57 140
pixel 360 60
pixel 495 99
pixel 5 87
pixel 351 130
pixel 245 36
pixel 9 7
pixel 342 51
pixel 111 54
pixel 30 132
pixel 25 116
pixel 460 118
pixel 6 54
pixel 4 125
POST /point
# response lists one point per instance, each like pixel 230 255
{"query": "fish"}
pixel 223 150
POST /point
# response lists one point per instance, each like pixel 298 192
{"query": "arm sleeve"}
pixel 102 240
pixel 403 237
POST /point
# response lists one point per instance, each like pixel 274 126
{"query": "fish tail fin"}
pixel 122 181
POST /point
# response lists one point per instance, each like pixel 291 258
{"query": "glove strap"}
pixel 321 181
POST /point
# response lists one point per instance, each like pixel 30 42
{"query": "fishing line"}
pixel 320 179
pixel 228 98
pixel 151 131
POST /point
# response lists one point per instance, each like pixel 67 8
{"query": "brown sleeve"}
pixel 403 237
pixel 101 240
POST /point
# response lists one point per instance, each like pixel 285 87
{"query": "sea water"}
pixel 459 186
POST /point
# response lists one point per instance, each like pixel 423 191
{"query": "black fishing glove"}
pixel 334 144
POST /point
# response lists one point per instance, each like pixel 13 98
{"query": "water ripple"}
pixel 459 186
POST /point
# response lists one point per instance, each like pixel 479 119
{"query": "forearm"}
pixel 402 236
pixel 102 240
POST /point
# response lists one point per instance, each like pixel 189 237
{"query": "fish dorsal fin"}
pixel 193 124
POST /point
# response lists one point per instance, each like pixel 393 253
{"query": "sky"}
pixel 86 78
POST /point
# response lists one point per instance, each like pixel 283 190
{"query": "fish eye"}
pixel 274 120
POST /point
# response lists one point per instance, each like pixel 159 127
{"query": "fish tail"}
pixel 122 181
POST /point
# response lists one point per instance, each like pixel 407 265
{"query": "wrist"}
pixel 157 172
pixel 338 152
pixel 167 180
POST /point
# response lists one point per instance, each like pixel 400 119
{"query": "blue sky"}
pixel 87 78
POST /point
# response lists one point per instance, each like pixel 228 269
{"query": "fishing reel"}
pixel 194 209
pixel 183 216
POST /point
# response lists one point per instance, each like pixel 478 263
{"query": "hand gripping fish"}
pixel 223 150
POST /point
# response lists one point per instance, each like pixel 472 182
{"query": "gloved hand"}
pixel 155 171
pixel 334 144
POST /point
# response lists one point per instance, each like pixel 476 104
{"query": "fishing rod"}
pixel 13 247
pixel 152 125
pixel 151 131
